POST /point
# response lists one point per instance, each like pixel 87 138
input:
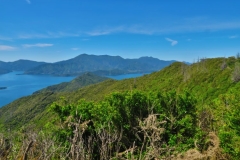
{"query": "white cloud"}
pixel 61 34
pixel 6 48
pixel 232 37
pixel 28 1
pixel 32 36
pixel 199 25
pixel 98 33
pixel 206 25
pixel 105 31
pixel 133 29
pixel 138 29
pixel 47 35
pixel 75 49
pixel 181 26
pixel 37 45
pixel 173 42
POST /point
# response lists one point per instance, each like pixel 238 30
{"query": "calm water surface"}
pixel 23 85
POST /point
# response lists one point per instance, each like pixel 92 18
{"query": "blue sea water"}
pixel 24 85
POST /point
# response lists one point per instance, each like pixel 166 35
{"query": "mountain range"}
pixel 100 65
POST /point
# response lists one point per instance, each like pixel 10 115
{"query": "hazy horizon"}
pixel 87 54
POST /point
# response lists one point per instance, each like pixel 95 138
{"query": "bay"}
pixel 24 85
pixel 19 85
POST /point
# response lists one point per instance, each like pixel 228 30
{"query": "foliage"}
pixel 236 73
pixel 122 112
pixel 228 122
pixel 179 111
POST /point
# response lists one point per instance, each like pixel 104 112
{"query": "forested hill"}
pixel 83 80
pixel 94 63
pixel 20 65
pixel 175 109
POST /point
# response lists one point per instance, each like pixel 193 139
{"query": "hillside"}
pixel 20 65
pixel 213 83
pixel 100 64
pixel 83 80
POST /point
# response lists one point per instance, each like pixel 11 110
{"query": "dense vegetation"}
pixel 180 112
pixel 152 125
pixel 101 65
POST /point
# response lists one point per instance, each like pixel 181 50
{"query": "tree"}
pixel 224 64
pixel 236 73
pixel 152 124
pixel 238 55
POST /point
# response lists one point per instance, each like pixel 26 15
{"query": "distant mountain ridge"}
pixel 100 64
pixel 19 65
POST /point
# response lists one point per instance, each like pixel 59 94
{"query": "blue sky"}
pixel 54 30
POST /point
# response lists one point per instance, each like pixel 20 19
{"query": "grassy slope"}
pixel 206 80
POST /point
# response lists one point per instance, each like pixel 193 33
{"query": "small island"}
pixel 3 88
